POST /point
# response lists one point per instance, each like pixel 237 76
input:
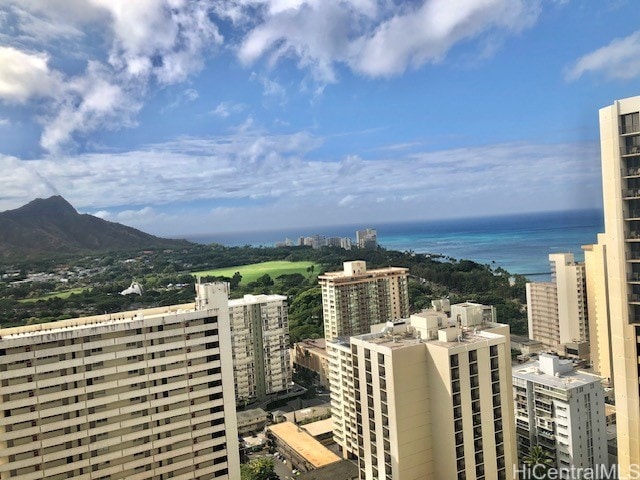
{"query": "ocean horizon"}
pixel 519 243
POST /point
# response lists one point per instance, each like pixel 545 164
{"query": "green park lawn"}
pixel 65 294
pixel 254 271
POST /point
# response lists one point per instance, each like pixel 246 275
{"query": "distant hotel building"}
pixel 260 337
pixel 145 394
pixel 557 310
pixel 562 411
pixel 434 400
pixel 367 238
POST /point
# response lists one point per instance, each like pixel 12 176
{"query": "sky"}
pixel 194 117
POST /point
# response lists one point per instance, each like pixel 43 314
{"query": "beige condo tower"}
pixel 613 274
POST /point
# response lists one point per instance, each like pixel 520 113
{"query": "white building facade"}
pixel 562 411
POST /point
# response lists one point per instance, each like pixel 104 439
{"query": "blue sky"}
pixel 182 117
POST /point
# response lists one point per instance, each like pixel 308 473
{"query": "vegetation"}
pixel 251 273
pixel 92 283
pixel 258 469
pixel 537 462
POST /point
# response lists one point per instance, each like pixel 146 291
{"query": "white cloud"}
pixel 371 37
pixel 149 43
pixel 618 60
pixel 26 75
pixel 251 179
pixel 5 122
pixel 225 109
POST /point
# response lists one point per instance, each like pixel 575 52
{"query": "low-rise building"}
pixel 303 451
pixel 311 354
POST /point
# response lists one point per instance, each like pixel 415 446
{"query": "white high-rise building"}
pixel 145 394
pixel 260 335
pixel 562 411
pixel 433 401
pixel 557 310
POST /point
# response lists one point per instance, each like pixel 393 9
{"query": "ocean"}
pixel 518 243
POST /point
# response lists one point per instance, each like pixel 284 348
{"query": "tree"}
pixel 258 469
pixel 235 280
pixel 538 462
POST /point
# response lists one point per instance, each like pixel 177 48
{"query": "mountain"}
pixel 52 226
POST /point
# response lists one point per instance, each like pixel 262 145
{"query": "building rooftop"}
pixel 318 345
pixel 448 337
pixel 248 415
pixel 357 270
pixel 320 427
pixel 342 470
pixel 572 379
pixel 93 321
pixel 255 299
pixel 304 444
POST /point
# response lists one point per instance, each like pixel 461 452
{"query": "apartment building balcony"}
pixel 630 194
pixel 632 215
pixel 633 256
pixel 632 172
pixel 629 150
pixel 633 236
pixel 634 298
pixel 633 277
pixel 630 128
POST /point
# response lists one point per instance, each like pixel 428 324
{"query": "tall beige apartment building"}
pixel 557 310
pixel 145 394
pixel 356 298
pixel 617 254
pixel 260 336
pixel 434 401
pixel 352 301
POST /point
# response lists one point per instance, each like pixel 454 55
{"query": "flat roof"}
pixel 320 427
pixel 94 321
pixel 404 339
pixel 304 444
pixel 252 414
pixel 376 272
pixel 255 299
pixel 341 470
pixel 530 371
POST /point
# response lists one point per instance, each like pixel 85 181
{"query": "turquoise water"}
pixel 518 243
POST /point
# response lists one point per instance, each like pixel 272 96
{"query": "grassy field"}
pixel 64 294
pixel 252 272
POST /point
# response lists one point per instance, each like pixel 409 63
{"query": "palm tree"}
pixel 538 462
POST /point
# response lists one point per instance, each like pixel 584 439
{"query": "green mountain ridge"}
pixel 53 226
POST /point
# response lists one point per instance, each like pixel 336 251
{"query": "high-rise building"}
pixel 144 394
pixel 356 298
pixel 598 308
pixel 352 301
pixel 620 246
pixel 367 238
pixel 557 310
pixel 260 336
pixel 434 400
pixel 562 411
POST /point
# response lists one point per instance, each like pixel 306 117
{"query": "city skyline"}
pixel 189 118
